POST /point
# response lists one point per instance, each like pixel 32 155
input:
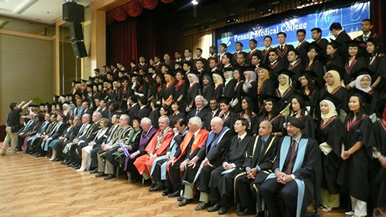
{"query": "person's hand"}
pixel 133 155
pixel 382 160
pixel 345 155
pixel 287 179
pixel 206 163
pixel 170 163
pixel 192 163
pixel 106 148
pixel 167 155
pixel 120 150
pixel 183 165
pixel 225 165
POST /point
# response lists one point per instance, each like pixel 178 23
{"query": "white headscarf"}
pixel 252 77
pixel 331 110
pixel 358 83
pixel 194 77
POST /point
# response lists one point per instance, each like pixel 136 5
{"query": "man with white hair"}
pixel 156 147
pixel 201 110
pixel 147 134
pixel 25 129
pixel 219 136
pixel 189 148
pixel 105 167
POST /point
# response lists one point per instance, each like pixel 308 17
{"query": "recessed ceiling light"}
pixel 49 12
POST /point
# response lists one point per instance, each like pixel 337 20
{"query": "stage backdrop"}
pixel 349 16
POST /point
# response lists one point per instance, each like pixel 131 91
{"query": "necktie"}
pixel 197 111
pixel 281 47
pixel 238 141
pixel 262 145
pixel 292 156
pixel 191 141
pixel 365 38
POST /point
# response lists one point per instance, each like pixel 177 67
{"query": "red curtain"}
pixel 148 4
pixel 122 42
pixel 377 8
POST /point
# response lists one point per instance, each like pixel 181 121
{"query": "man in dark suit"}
pixel 257 166
pixel 275 65
pixel 134 107
pixel 282 49
pixel 23 132
pixel 103 108
pixel 341 37
pixel 86 108
pixel 216 143
pixel 267 49
pixel 214 108
pixel 316 34
pixel 143 108
pixel 201 111
pixel 221 180
pixel 301 48
pixel 296 172
pixel 66 138
pixel 367 27
pixel 253 46
pixel 239 50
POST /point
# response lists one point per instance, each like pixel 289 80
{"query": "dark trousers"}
pixel 271 190
pixel 156 176
pixel 190 173
pixel 221 186
pixel 174 175
pixel 59 148
pixel 94 157
pixel 244 189
pixel 202 183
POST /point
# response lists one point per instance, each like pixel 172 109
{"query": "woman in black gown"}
pixel 247 113
pixel 333 57
pixel 298 110
pixel 180 89
pixel 235 102
pixel 176 114
pixel 270 112
pixel 192 92
pixel 218 85
pixel 353 63
pixel 207 87
pixel 329 136
pixel 229 83
pixel 355 153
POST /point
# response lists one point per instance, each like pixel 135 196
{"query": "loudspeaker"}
pixel 79 49
pixel 76 31
pixel 72 12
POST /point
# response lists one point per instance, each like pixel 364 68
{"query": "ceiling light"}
pixel 194 2
pixel 24 7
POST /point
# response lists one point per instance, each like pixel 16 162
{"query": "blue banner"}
pixel 350 17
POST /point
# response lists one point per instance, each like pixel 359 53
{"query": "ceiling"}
pixel 31 15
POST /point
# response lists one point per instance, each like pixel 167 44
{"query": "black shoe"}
pixel 180 198
pixel 214 208
pixel 184 202
pixel 223 210
pixel 56 159
pixel 165 193
pixel 63 162
pixel 93 171
pixel 245 212
pixel 108 177
pixel 175 194
pixel 100 175
pixel 157 187
pixel 77 167
pixel 201 206
pixel 260 214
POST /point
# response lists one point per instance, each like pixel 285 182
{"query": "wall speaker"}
pixel 73 12
pixel 76 31
pixel 79 49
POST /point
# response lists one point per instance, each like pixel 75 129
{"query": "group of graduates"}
pixel 270 130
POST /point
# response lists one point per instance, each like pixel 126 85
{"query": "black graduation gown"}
pixel 297 68
pixel 218 91
pixel 377 172
pixel 311 100
pixel 251 92
pixel 378 65
pixel 237 93
pixel 180 90
pixel 253 124
pixel 349 70
pixel 336 61
pixel 342 38
pixel 285 98
pixel 317 67
pixel 264 56
pixel 309 129
pixel 284 53
pixel 322 42
pixel 167 91
pixel 207 92
pixel 153 116
pixel 303 51
pixel 228 89
pixel 353 172
pixel 341 93
pixel 192 92
pixel 331 132
pixel 275 70
pixel 267 89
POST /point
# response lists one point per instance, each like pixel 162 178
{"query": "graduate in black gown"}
pixel 235 100
pixel 284 90
pixel 298 110
pixel 229 83
pixel 378 164
pixel 271 113
pixel 249 87
pixel 295 66
pixel 353 63
pixel 362 86
pixel 309 90
pixel 247 113
pixel 225 113
pixel 313 64
pixel 265 85
pixel 167 90
pixel 377 64
pixel 329 136
pixel 207 87
pixel 175 113
pixel 192 92
pixel 355 154
pixel 180 89
pixel 218 82
pixel 333 56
